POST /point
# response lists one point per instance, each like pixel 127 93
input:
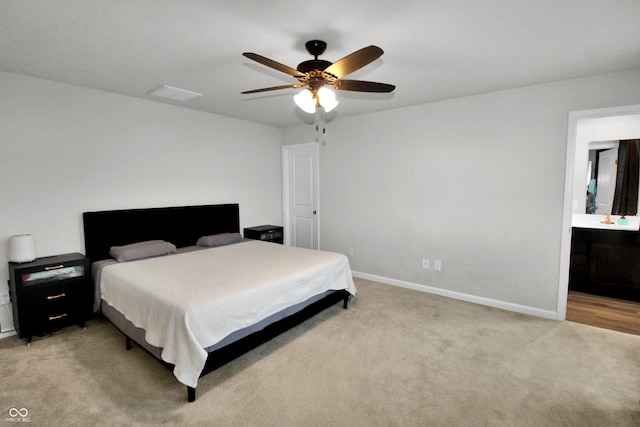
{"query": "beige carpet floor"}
pixel 396 357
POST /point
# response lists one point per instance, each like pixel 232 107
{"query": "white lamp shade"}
pixel 22 248
pixel 327 99
pixel 304 99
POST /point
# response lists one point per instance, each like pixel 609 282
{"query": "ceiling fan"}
pixel 319 75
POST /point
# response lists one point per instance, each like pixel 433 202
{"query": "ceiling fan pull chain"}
pixel 321 126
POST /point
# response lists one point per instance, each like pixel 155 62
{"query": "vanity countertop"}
pixel 596 221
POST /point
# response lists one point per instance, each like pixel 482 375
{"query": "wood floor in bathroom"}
pixel 602 312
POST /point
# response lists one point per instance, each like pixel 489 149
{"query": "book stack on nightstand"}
pixel 50 293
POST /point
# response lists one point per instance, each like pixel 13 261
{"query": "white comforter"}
pixel 189 301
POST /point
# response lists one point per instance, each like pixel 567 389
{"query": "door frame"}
pixel 565 240
pixel 286 193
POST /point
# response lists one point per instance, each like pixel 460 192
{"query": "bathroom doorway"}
pixel 585 126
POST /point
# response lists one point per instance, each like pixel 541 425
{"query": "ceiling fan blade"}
pixel 273 64
pixel 363 86
pixel 354 61
pixel 266 89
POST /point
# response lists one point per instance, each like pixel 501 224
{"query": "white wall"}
pixel 475 182
pixel 66 150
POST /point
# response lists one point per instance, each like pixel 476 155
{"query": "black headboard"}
pixel 181 226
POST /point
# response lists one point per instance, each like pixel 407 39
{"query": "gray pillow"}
pixel 141 250
pixel 219 239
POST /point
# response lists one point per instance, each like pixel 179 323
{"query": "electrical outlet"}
pixel 425 263
pixel 350 251
pixel 4 298
pixel 437 265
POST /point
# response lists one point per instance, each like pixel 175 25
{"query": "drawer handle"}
pixel 54 267
pixel 58 317
pixel 56 296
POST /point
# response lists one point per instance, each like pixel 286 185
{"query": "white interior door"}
pixel 607 170
pixel 301 193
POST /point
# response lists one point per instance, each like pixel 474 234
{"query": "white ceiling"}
pixel 434 50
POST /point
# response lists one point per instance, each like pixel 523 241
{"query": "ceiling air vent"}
pixel 174 93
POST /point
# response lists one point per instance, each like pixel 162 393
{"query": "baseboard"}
pixel 7 334
pixel 6 321
pixel 460 296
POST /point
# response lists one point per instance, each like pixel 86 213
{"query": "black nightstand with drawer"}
pixel 268 233
pixel 50 293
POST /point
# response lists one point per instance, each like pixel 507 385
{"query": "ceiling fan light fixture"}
pixel 309 101
pixel 306 101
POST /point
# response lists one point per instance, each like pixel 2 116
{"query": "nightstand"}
pixel 50 293
pixel 268 233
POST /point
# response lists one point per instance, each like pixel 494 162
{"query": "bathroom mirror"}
pixel 597 135
pixel 603 174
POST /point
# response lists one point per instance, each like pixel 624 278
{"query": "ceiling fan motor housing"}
pixel 313 65
pixel 313 68
pixel 314 72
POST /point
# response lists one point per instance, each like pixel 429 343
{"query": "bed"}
pixel 183 284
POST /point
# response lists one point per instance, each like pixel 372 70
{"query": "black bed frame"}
pixel 182 226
